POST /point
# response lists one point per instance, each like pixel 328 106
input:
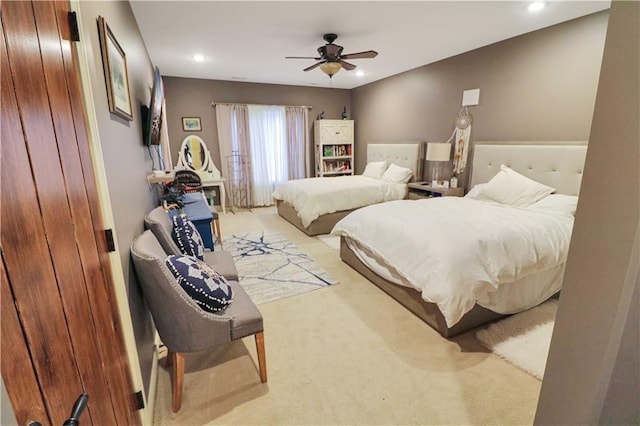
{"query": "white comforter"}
pixel 314 197
pixel 459 250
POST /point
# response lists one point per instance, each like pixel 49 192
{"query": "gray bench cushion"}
pixel 222 262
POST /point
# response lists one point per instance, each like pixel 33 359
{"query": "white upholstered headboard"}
pixel 557 165
pixel 407 155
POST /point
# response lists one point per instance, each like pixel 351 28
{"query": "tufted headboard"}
pixel 558 165
pixel 409 155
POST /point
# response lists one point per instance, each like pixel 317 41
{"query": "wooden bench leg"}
pixel 215 229
pixel 262 361
pixel 218 232
pixel 177 359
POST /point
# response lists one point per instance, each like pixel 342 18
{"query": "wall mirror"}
pixel 194 155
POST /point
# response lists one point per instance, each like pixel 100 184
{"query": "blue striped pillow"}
pixel 187 237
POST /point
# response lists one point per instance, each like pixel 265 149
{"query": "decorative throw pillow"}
pixel 375 169
pixel 397 174
pixel 187 237
pixel 206 287
pixel 510 187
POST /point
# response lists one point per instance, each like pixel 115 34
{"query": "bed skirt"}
pixel 322 225
pixel 412 300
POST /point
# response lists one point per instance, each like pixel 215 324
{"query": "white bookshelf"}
pixel 333 147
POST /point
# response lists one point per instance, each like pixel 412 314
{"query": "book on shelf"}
pixel 336 166
pixel 336 150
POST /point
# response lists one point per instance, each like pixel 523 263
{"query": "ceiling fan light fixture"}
pixel 330 68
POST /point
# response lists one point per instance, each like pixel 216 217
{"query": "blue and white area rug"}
pixel 271 267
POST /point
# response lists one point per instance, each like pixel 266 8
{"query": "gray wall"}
pixel 126 160
pixel 187 97
pixel 594 357
pixel 621 404
pixel 537 87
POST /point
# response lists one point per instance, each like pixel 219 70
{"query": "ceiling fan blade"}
pixel 316 65
pixel 360 55
pixel 302 57
pixel 346 65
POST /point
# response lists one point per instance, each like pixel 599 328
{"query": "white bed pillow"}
pixel 557 203
pixel 476 193
pixel 375 169
pixel 397 174
pixel 510 187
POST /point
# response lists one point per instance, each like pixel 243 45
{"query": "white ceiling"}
pixel 248 41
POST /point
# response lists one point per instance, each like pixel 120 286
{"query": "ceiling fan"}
pixel 331 59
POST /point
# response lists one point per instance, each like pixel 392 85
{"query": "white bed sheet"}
pixel 314 197
pixel 460 251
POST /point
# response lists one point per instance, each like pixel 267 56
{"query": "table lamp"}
pixel 438 153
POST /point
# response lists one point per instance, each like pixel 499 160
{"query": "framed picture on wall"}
pixel 191 124
pixel 114 63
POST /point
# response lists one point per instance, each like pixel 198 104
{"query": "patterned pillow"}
pixel 206 287
pixel 187 237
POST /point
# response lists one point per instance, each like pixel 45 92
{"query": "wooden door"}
pixel 61 334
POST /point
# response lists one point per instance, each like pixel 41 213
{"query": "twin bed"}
pixel 458 263
pixel 315 205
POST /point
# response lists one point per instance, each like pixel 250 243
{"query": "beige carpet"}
pixel 348 354
pixel 332 241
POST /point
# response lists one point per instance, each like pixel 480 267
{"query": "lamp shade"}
pixel 438 151
pixel 330 68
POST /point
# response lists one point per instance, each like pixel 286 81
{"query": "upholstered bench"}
pixel 158 222
pixel 182 324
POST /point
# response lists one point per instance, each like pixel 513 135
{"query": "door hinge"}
pixel 111 245
pixel 139 400
pixel 73 26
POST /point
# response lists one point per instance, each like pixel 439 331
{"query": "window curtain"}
pixel 275 141
pixel 268 147
pixel 233 138
pixel 298 151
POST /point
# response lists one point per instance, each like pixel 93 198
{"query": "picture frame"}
pixel 114 63
pixel 191 124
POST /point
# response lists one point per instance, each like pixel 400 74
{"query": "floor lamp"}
pixel 438 153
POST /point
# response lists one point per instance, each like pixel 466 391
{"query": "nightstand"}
pixel 419 190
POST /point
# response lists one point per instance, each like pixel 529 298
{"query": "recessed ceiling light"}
pixel 359 73
pixel 536 6
pixel 198 58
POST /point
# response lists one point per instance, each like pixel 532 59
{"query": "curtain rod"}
pixel 214 103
